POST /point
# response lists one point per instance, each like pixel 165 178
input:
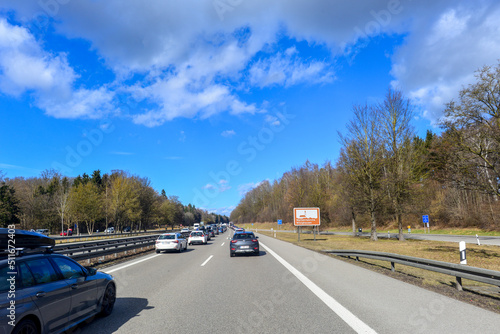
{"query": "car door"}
pixel 51 294
pixel 83 288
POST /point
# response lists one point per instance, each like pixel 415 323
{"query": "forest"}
pixel 387 176
pixel 93 202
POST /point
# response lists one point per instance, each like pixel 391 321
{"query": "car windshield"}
pixel 167 236
pixel 196 234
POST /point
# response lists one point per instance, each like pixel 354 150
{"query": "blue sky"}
pixel 209 98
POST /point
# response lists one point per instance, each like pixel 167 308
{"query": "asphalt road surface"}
pixel 286 289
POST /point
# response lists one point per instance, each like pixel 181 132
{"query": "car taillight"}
pixel 254 240
pixel 234 241
pixel 175 241
pixel 157 241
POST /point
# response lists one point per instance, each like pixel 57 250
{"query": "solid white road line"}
pixel 222 244
pixel 353 321
pixel 130 264
pixel 204 263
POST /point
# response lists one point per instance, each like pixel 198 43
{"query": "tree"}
pixel 362 158
pixel 123 200
pixel 474 125
pixel 9 206
pixel 86 204
pixel 395 114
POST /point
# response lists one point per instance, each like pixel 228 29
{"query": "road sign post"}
pixel 425 220
pixel 306 217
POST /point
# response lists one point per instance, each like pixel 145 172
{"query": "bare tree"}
pixel 474 125
pixel 395 114
pixel 362 158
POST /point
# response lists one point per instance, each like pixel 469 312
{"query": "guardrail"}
pixel 110 235
pixel 94 249
pixel 458 270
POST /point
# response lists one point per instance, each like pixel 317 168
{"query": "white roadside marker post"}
pixel 477 238
pixel 463 260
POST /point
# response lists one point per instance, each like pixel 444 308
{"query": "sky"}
pixel 207 98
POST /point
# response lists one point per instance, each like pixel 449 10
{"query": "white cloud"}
pixel 288 69
pixel 246 187
pixel 441 55
pixel 26 67
pixel 194 61
pixel 228 133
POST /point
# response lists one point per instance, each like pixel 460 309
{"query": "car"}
pixel 42 231
pixel 204 229
pixel 239 230
pixel 196 226
pixel 185 232
pixel 110 230
pixel 127 229
pixel 170 241
pixel 68 233
pixel 53 293
pixel 244 243
pixel 211 231
pixel 197 237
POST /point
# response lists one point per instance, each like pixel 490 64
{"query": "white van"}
pixel 196 226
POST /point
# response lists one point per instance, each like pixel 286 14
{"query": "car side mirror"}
pixel 91 271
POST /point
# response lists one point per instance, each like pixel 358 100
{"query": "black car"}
pixel 244 243
pixel 43 292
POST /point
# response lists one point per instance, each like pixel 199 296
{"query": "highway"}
pixel 287 289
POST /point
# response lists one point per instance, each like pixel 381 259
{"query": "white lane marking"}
pixel 353 321
pixel 222 244
pixel 204 263
pixel 130 264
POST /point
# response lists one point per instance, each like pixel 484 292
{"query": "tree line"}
pixel 386 175
pixel 93 202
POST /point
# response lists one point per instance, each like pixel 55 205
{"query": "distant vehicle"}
pixel 170 241
pixel 127 229
pixel 239 230
pixel 53 293
pixel 42 231
pixel 68 233
pixel 185 233
pixel 110 230
pixel 196 226
pixel 244 243
pixel 197 237
pixel 205 231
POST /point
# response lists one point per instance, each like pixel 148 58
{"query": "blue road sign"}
pixel 280 222
pixel 425 219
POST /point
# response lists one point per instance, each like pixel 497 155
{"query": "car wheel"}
pixel 108 300
pixel 157 251
pixel 232 254
pixel 27 326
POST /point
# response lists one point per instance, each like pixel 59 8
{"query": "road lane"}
pixel 244 294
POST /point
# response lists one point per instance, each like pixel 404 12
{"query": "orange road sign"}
pixel 306 217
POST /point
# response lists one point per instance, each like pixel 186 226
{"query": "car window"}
pixel 68 268
pixel 4 284
pixel 243 236
pixel 42 270
pixel 27 278
pixel 168 236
